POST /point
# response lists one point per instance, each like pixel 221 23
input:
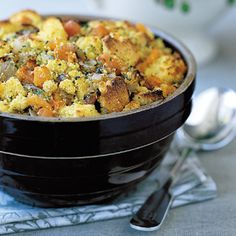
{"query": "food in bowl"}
pixel 66 68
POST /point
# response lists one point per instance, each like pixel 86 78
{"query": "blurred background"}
pixel 192 21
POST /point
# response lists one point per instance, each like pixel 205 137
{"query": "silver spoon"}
pixel 211 125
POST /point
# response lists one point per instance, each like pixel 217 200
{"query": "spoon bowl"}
pixel 212 122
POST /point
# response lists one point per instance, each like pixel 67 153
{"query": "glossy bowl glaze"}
pixel 64 162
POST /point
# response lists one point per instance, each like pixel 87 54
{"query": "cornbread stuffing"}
pixel 56 67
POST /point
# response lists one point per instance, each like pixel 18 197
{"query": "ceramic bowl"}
pixel 64 162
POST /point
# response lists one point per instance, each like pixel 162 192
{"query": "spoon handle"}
pixel 152 214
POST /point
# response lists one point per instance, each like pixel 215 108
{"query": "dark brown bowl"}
pixel 63 162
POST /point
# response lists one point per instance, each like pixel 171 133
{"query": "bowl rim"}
pixel 167 37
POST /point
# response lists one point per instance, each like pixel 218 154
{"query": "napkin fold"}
pixel 193 185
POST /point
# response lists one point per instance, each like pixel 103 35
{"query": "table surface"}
pixel 215 217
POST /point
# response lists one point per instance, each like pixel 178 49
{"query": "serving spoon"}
pixel 210 126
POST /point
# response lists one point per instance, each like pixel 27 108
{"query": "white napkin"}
pixel 193 185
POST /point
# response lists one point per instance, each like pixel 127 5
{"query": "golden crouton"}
pixel 49 87
pixel 4 106
pixel 67 86
pixel 168 68
pixel 12 88
pixel 18 104
pixel 52 29
pixel 91 46
pixel 82 86
pixel 125 51
pixel 132 105
pixel 116 96
pixel 146 98
pixel 57 66
pixel 78 110
pixel 6 27
pixel 26 17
